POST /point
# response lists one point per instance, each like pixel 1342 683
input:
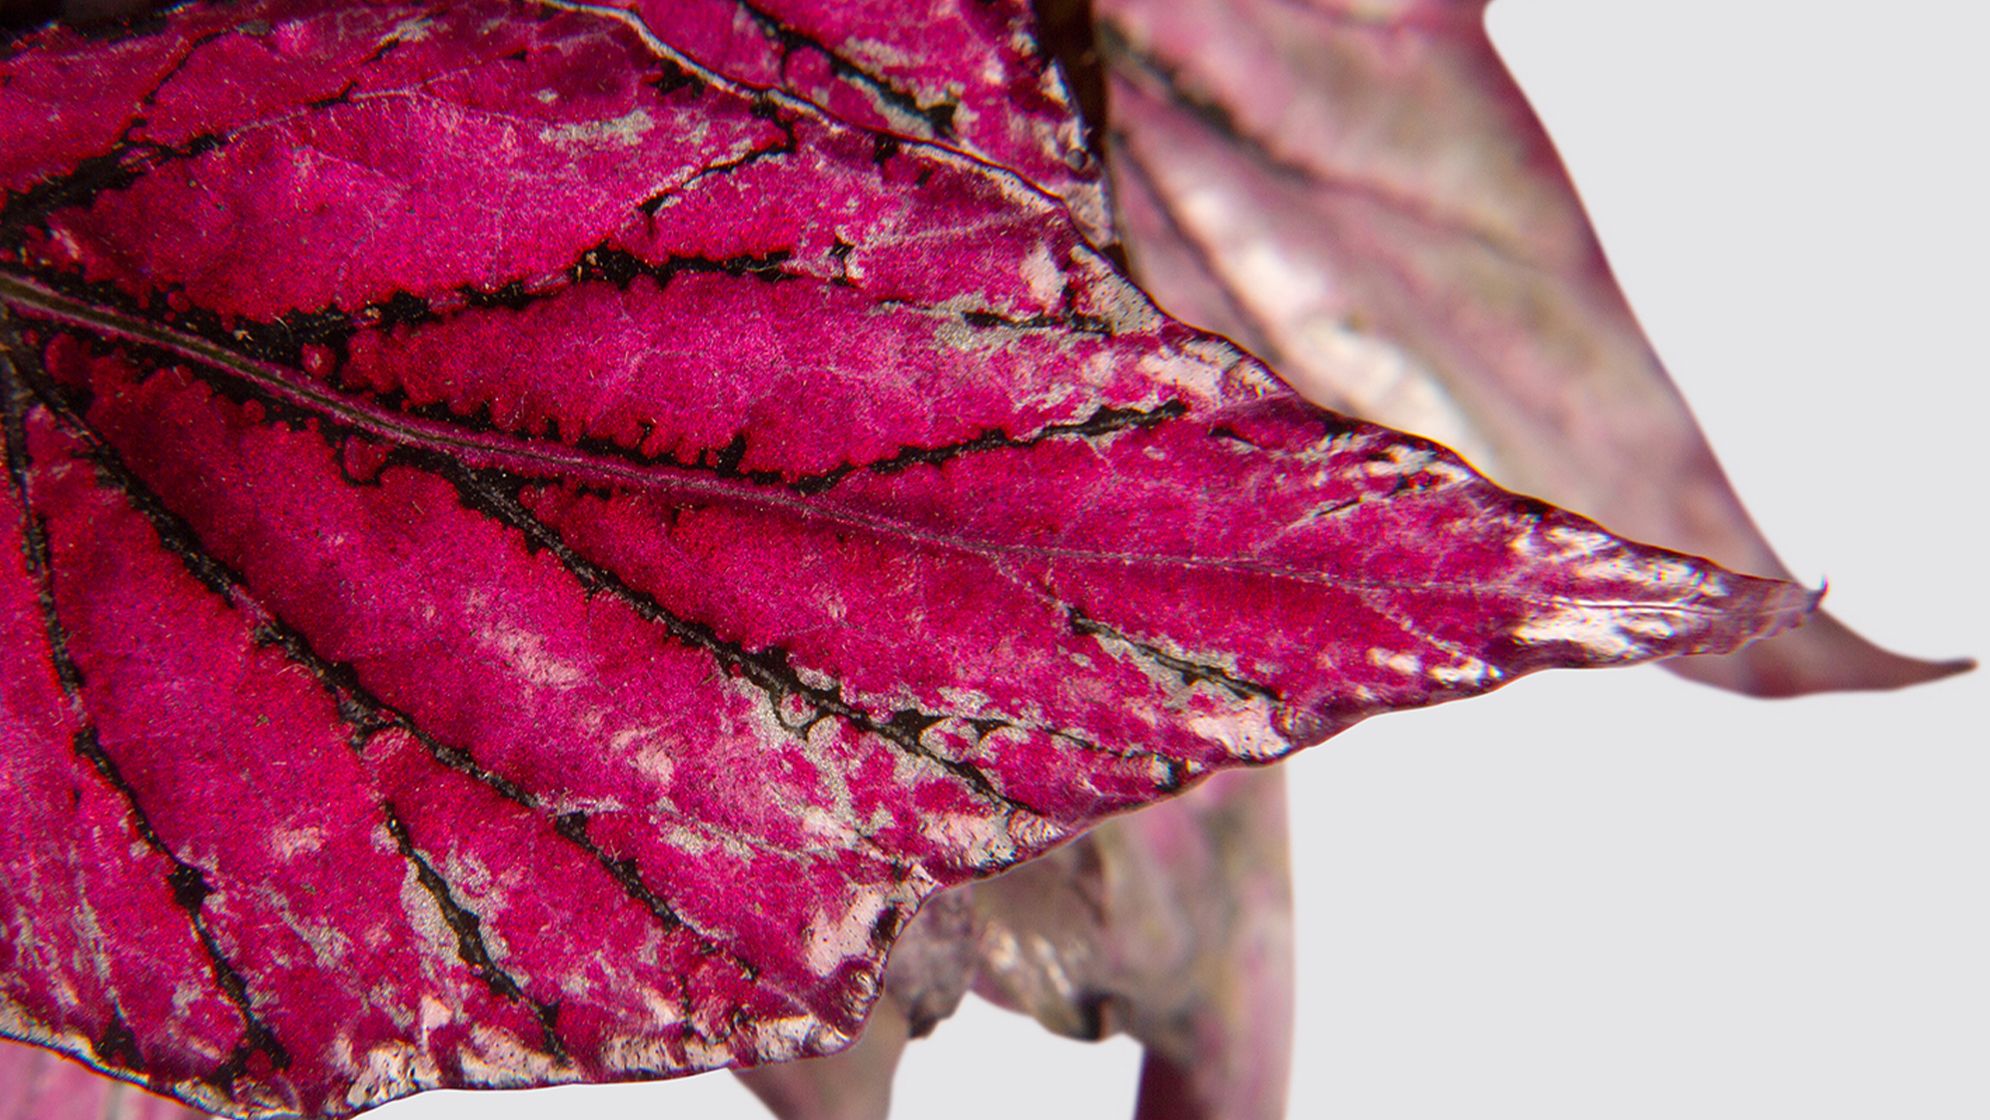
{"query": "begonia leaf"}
pixel 526 560
pixel 1361 195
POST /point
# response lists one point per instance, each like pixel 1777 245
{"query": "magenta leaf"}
pixel 1172 925
pixel 526 561
pixel 963 73
pixel 1361 195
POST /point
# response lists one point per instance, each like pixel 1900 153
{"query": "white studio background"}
pixel 1618 894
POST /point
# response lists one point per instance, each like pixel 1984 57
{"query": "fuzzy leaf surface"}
pixel 526 560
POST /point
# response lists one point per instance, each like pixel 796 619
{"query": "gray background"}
pixel 1615 894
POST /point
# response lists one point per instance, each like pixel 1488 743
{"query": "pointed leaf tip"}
pixel 523 560
pixel 1827 656
pixel 1443 279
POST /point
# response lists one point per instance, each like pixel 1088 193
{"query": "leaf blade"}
pixel 1365 199
pixel 564 545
